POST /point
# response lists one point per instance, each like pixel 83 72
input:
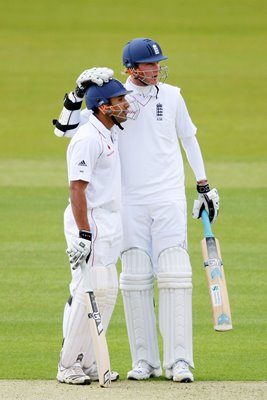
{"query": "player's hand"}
pixel 207 199
pixel 80 249
pixel 91 76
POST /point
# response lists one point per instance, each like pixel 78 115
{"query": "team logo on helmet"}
pixel 156 49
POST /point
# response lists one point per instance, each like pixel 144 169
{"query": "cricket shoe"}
pixel 73 375
pixel 93 373
pixel 180 372
pixel 144 371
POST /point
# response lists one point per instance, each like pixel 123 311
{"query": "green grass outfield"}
pixel 217 55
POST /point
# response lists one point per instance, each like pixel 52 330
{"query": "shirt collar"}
pixel 143 91
pixel 99 126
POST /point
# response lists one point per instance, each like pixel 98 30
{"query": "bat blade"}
pixel 97 332
pixel 99 341
pixel 214 269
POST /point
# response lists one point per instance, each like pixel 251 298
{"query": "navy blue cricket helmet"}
pixel 141 50
pixel 96 96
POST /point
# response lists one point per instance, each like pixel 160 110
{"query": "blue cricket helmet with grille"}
pixel 96 96
pixel 141 50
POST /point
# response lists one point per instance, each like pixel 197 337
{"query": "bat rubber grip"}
pixel 206 224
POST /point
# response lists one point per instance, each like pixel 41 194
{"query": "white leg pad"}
pixel 136 283
pixel 66 317
pixel 175 305
pixel 76 329
pixel 105 283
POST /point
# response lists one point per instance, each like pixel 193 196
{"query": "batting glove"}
pixel 92 76
pixel 80 249
pixel 208 200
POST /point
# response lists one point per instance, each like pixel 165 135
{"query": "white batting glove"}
pixel 208 200
pixel 94 75
pixel 80 249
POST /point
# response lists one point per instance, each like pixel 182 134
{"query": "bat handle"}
pixel 206 224
pixel 86 276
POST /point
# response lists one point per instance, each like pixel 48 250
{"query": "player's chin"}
pixel 122 118
pixel 154 80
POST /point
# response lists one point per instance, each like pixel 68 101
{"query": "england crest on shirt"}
pixel 159 111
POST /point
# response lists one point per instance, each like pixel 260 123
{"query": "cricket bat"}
pixel 97 332
pixel 216 278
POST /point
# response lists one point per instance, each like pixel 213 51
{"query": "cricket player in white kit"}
pixel 155 215
pixel 92 225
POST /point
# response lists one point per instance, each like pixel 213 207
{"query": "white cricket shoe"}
pixel 73 375
pixel 93 373
pixel 180 372
pixel 144 371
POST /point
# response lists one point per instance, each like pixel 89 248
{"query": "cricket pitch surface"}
pixel 133 390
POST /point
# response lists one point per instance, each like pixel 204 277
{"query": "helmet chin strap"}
pixel 146 84
pixel 135 74
pixel 108 111
pixel 116 122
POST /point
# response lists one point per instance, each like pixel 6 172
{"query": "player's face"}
pixel 119 107
pixel 148 73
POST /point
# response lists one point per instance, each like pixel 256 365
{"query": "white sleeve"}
pixel 194 156
pixel 184 125
pixel 83 156
pixel 70 117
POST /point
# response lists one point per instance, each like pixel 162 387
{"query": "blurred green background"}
pixel 218 56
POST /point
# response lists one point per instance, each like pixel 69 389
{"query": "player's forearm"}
pixel 194 156
pixel 69 119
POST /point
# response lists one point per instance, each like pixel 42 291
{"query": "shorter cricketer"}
pixel 92 224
